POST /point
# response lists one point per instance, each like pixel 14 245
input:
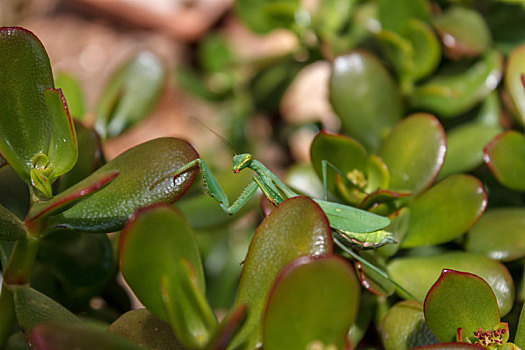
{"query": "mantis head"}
pixel 241 161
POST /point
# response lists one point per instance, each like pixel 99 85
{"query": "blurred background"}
pixel 89 40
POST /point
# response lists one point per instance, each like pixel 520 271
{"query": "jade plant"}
pixel 428 100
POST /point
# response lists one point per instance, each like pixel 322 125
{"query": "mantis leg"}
pixel 242 199
pixel 365 262
pixel 271 194
pixel 215 190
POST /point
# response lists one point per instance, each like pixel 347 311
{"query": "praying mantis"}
pixel 360 228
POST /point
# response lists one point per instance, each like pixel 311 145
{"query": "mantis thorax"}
pixel 241 161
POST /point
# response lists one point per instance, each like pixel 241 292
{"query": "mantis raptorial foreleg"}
pixel 214 189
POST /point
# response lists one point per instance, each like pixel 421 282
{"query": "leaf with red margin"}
pixel 445 211
pixel 417 274
pixel 297 227
pixel 90 157
pixel 505 156
pixel 460 300
pixel 63 148
pixel 309 292
pixel 66 199
pixel 514 85
pixel 160 260
pixel 144 180
pixel 449 346
pixel 463 32
pixel 228 328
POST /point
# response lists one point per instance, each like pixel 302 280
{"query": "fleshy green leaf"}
pixel 72 91
pixel 61 202
pixel 394 15
pixel 310 292
pixel 463 31
pixel 62 335
pixel 11 228
pixel 427 50
pixel 449 346
pixel 417 274
pixel 142 328
pixel 519 338
pixel 445 211
pixel 37 137
pixel 63 151
pixel 343 152
pixel 465 145
pixel 460 300
pixel 514 86
pixel 263 16
pixel 33 308
pixel 499 234
pixel 414 55
pixel 26 74
pixel 295 228
pixel 449 95
pixel 130 95
pixel 144 178
pixel 505 156
pixel 90 157
pixel 414 153
pixel 164 269
pixel 331 19
pixel 404 327
pixel 303 179
pixel 365 97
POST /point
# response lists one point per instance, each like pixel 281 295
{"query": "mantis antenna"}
pixel 219 136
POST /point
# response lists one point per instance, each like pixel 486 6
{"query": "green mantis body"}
pixel 360 228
